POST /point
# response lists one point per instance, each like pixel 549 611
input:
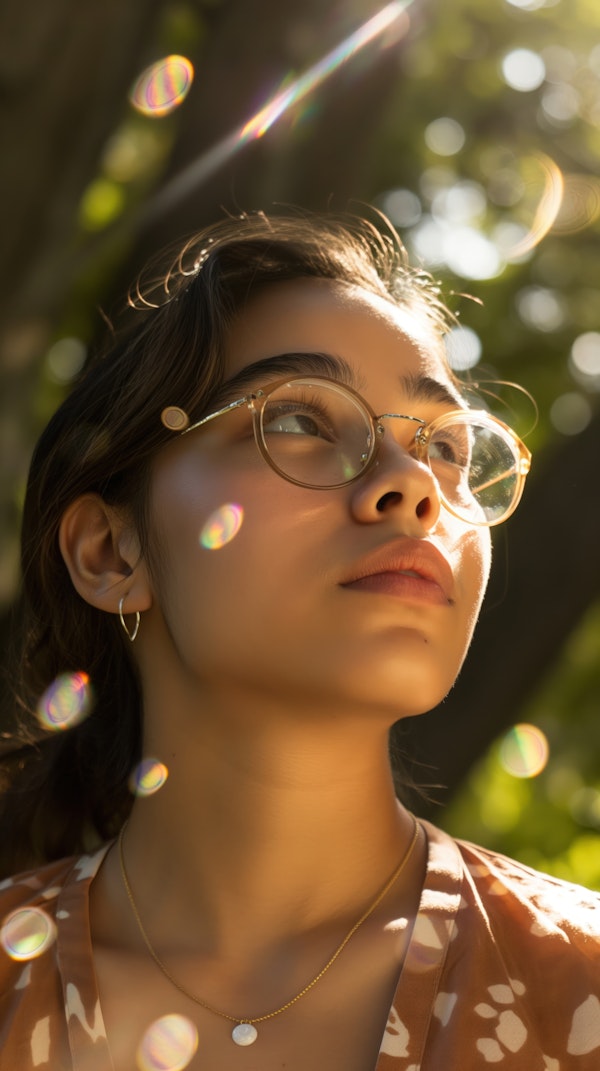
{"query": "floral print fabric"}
pixel 503 970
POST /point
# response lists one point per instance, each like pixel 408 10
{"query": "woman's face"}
pixel 315 600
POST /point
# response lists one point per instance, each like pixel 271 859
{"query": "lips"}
pixel 407 568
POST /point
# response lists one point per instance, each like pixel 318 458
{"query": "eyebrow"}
pixel 427 389
pixel 417 387
pixel 287 364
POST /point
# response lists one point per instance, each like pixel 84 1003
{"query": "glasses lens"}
pixel 476 465
pixel 316 433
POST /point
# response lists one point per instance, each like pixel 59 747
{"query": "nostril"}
pixel 391 498
pixel 423 508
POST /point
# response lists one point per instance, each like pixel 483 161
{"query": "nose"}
pixel 397 483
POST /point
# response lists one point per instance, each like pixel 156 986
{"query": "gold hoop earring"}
pixel 130 635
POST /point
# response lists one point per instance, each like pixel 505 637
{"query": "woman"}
pixel 260 525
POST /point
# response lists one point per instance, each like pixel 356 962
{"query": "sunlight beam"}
pixel 209 162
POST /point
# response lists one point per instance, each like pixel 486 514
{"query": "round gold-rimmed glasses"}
pixel 318 433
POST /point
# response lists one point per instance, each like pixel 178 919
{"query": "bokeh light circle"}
pixel 585 353
pixel 524 751
pixel 471 255
pixel 148 777
pixel 162 87
pixel 65 359
pixel 561 105
pixel 402 206
pixel 541 308
pixel 528 5
pixel 222 526
pixel 523 70
pixel 571 413
pixel 463 348
pixel 462 202
pixel 27 933
pixel 445 136
pixel 168 1044
pixel 66 702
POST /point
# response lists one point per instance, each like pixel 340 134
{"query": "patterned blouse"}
pixel 503 970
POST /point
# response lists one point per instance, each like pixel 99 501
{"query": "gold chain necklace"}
pixel 245 1032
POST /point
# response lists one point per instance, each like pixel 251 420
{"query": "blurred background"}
pixel 474 125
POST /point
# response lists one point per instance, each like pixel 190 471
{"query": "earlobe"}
pixel 102 556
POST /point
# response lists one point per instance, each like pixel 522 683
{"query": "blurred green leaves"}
pixel 551 821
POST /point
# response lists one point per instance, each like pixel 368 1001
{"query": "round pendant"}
pixel 244 1034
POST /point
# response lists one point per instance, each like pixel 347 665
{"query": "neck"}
pixel 299 823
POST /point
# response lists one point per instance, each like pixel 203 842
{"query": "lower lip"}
pixel 415 588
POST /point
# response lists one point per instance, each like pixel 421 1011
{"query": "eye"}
pixel 451 446
pixel 298 418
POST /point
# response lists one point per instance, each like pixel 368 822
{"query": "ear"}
pixel 102 553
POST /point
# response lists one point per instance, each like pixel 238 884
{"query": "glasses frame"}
pixel 256 401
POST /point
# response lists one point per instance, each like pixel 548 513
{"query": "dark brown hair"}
pixel 65 791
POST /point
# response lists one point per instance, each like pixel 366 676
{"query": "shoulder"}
pixel 28 930
pixel 35 903
pixel 512 906
pixel 45 951
pixel 40 888
pixel 517 954
pixel 28 908
pixel 34 900
pixel 522 942
pixel 546 904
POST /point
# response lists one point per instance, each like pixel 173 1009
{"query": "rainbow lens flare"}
pixel 547 185
pixel 148 777
pixel 27 933
pixel 66 702
pixel 312 78
pixel 222 526
pixel 168 1044
pixel 580 205
pixel 524 751
pixel 162 87
pixel 390 23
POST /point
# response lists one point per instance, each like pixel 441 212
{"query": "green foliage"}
pixel 550 821
pixel 535 306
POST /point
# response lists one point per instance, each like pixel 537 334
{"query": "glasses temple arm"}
pixel 517 470
pixel 211 416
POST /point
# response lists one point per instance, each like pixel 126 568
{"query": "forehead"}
pixel 321 316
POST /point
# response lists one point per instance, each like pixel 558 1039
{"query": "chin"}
pixel 416 679
pixel 396 690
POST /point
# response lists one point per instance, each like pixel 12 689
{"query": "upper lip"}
pixel 402 556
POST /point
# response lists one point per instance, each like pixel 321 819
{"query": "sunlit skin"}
pixel 269 688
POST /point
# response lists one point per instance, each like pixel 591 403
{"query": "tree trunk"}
pixel 65 68
pixel 330 153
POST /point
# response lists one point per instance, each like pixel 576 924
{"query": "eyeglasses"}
pixel 320 434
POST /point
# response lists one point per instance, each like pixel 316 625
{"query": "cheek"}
pixel 204 594
pixel 227 548
pixel 196 519
pixel 476 556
